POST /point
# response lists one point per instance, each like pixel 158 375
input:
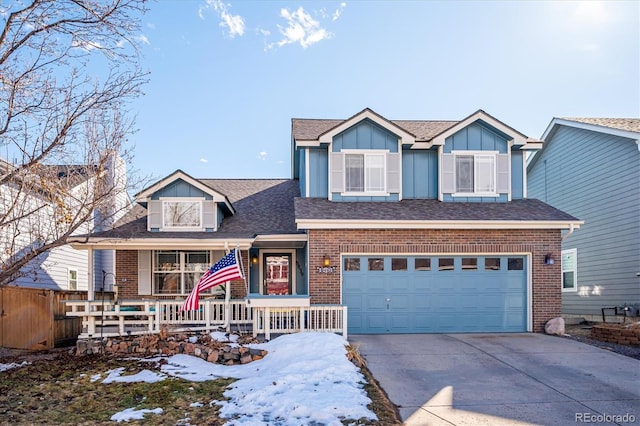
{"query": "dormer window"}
pixel 182 214
pixel 476 174
pixel 365 172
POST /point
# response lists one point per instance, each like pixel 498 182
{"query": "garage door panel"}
pixel 484 297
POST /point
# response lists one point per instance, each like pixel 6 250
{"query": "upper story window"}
pixel 475 173
pixel 182 214
pixel 365 172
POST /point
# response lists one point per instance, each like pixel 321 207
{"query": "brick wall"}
pixel 546 300
pixel 127 268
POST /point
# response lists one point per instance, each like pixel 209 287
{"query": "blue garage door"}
pixel 429 294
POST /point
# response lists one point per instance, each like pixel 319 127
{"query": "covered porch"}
pixel 151 279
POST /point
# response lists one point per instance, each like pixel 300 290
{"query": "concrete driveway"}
pixel 500 379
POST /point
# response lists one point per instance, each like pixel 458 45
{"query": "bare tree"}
pixel 68 69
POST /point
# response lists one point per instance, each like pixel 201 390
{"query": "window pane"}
pixel 167 261
pixel 515 264
pixel 182 213
pixel 399 264
pixel 197 261
pixel 354 172
pixel 568 261
pixel 568 280
pixel 375 173
pixel 166 283
pixel 445 264
pixel 376 264
pixel 73 279
pixel 422 264
pixel 492 263
pixel 469 263
pixel 464 173
pixel 351 264
pixel 484 173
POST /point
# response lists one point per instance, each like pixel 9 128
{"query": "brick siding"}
pixel 546 300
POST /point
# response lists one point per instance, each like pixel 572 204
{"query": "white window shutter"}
pixel 447 174
pixel 154 214
pixel 209 214
pixel 393 172
pixel 336 164
pixel 144 272
pixel 503 174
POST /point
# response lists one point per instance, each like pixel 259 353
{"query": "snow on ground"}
pixel 133 414
pixel 305 378
pixel 5 367
pixel 114 376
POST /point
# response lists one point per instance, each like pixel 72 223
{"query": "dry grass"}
pixel 56 388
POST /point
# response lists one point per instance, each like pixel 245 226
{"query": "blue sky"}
pixel 227 77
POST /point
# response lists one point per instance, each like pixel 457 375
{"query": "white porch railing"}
pixel 129 317
pixel 331 318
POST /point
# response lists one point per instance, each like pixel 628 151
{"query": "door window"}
pixel 277 273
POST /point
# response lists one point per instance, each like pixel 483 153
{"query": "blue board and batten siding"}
pixel 420 172
pixel 477 137
pixel 178 189
pixel 595 177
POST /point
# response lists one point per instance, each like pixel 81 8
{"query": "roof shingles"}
pixel 627 124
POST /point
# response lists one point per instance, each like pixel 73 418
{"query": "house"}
pixel 590 168
pixel 414 226
pixel 29 208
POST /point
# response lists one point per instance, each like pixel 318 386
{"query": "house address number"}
pixel 326 269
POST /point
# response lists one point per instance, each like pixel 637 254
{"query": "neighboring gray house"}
pixel 590 168
pixel 63 267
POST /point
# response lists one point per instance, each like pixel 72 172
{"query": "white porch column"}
pixel 91 291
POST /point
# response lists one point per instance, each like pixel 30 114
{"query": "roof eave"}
pixel 436 224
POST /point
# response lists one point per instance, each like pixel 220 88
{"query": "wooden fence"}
pixel 36 319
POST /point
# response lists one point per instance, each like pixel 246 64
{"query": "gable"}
pixel 180 189
pixel 477 137
pixel 365 135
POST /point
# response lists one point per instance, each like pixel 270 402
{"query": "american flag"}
pixel 225 270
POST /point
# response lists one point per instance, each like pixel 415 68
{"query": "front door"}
pixel 277 273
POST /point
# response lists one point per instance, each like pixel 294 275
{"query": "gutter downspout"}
pixel 572 228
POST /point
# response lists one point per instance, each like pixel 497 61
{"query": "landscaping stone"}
pixel 622 334
pixel 555 326
pixel 205 347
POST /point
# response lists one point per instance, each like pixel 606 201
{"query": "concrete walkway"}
pixel 502 379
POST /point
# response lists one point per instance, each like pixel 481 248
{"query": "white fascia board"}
pixel 307 143
pixel 160 243
pixel 532 146
pixel 444 224
pixel 592 127
pixel 517 138
pixel 217 197
pixel 282 237
pixel 422 145
pixel 404 137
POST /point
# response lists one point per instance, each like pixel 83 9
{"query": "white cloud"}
pixel 338 11
pixel 301 28
pixel 151 25
pixel 86 45
pixel 204 160
pixel 262 155
pixel 234 24
pixel 143 39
